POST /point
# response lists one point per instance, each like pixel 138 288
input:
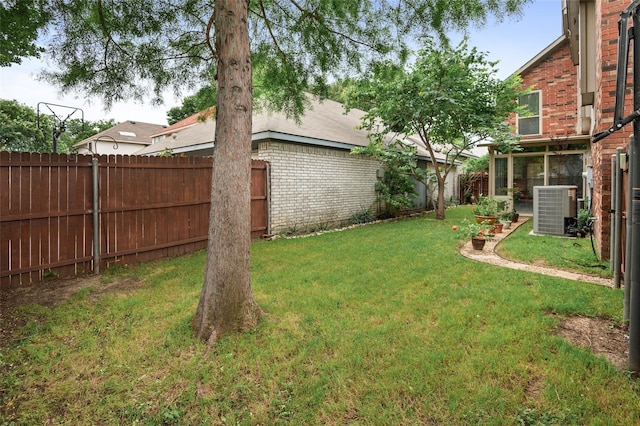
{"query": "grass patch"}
pixel 383 324
pixel 573 254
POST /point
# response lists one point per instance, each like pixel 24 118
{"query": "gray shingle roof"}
pixel 324 123
pixel 126 132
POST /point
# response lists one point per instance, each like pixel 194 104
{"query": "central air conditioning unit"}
pixel 554 209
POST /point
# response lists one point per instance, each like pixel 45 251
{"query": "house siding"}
pixel 556 77
pixel 607 17
pixel 106 147
pixel 314 187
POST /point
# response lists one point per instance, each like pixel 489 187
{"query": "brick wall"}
pixel 315 186
pixel 556 77
pixel 607 17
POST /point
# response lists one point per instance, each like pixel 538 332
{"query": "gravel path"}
pixel 488 255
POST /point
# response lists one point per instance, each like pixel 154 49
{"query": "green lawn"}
pixel 381 324
pixel 576 254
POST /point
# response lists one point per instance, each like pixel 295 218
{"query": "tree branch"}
pixel 107 34
pixel 307 14
pixel 273 37
pixel 210 24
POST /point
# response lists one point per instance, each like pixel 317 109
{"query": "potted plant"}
pixel 515 194
pixel 486 209
pixel 479 233
pixel 497 227
pixel 505 219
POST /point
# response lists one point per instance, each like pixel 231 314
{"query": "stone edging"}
pixel 489 255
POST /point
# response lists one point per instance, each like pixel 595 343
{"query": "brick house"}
pixel 554 137
pixel 314 180
pixel 572 97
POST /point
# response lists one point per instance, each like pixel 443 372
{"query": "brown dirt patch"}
pixel 51 293
pixel 604 337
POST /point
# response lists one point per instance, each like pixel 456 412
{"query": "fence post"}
pixel 96 217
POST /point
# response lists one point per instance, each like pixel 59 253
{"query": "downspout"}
pixel 617 249
pixel 96 218
pixel 628 242
pixel 268 198
pixel 612 216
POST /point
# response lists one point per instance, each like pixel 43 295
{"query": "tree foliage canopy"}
pixel 21 130
pixel 20 23
pixel 480 164
pixel 397 188
pixel 450 98
pixel 200 101
pixel 120 50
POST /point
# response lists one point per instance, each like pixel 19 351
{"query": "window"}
pixel 529 124
pixel 566 170
pixel 528 171
pixel 500 187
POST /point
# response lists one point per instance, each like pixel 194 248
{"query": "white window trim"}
pixel 539 92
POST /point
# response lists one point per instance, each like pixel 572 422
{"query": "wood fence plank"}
pixel 67 240
pixel 21 245
pixel 5 245
pixel 40 193
pixel 5 183
pixel 84 243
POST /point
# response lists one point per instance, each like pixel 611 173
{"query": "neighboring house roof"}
pixel 198 117
pixel 440 157
pixel 325 123
pixel 132 132
pixel 190 139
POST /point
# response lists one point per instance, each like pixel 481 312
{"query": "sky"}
pixel 512 42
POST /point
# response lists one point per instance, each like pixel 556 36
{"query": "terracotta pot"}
pixel 478 243
pixel 497 228
pixel 486 219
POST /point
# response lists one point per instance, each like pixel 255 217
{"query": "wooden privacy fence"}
pixel 147 208
pixel 471 185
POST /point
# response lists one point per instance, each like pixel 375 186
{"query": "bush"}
pixel 486 206
pixel 362 216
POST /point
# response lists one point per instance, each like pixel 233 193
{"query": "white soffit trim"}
pixel 540 56
pixel 300 139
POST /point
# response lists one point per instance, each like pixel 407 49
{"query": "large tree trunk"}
pixel 226 302
pixel 440 207
pixel 441 178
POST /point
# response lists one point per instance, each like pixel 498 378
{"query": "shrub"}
pixel 486 206
pixel 362 216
